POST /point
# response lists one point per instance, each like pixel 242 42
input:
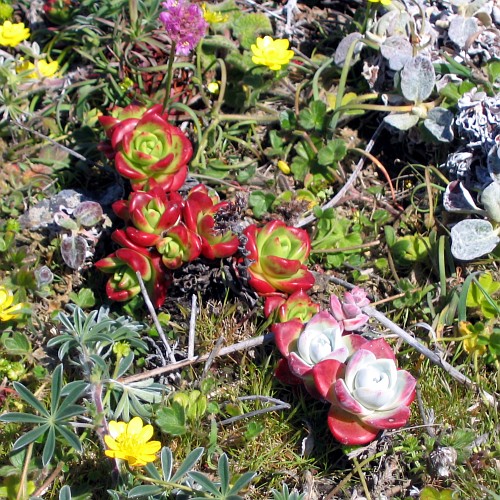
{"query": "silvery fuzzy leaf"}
pixel 88 213
pixel 417 79
pixel 397 50
pixel 74 251
pixel 461 28
pixel 401 121
pixel 438 123
pixel 393 22
pixel 457 199
pixel 475 6
pixel 63 220
pixel 490 198
pixel 473 238
pixel 343 47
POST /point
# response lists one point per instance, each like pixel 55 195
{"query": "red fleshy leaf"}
pixel 325 375
pixel 347 429
pixel 380 348
pixel 286 335
pixel 283 374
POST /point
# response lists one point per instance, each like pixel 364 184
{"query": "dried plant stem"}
pixel 23 482
pixel 240 346
pixel 278 405
pixel 345 188
pixel 362 478
pixel 49 480
pixel 192 326
pixel 156 321
pixel 382 169
pixel 431 355
pixel 212 356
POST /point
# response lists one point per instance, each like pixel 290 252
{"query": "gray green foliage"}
pixel 52 421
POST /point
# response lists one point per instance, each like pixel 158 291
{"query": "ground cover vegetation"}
pixel 249 249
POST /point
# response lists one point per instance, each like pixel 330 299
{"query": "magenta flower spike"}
pixel 184 23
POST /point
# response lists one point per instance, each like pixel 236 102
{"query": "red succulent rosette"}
pixel 303 346
pixel 58 11
pixel 151 213
pixel 278 254
pixel 297 306
pixel 199 214
pixel 179 245
pixel 367 393
pixel 149 151
pixel 124 284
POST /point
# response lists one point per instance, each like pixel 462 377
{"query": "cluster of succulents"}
pixel 165 230
pixel 358 377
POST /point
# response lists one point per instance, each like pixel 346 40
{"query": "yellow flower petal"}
pixel 134 426
pixel 116 428
pixel 110 442
pixel 151 447
pixel 145 434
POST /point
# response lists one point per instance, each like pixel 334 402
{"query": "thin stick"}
pixel 49 481
pixel 362 478
pixel 192 326
pixel 156 321
pixel 212 356
pixel 335 200
pixel 23 483
pixel 431 355
pixel 278 405
pixel 240 346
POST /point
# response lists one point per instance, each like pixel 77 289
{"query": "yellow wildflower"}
pixel 13 34
pixel 7 310
pixel 213 17
pixel 271 53
pixel 213 87
pixel 41 69
pixel 383 2
pixel 129 441
pixel 471 336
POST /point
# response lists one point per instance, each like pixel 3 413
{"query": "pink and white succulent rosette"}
pixel 305 345
pixel 349 312
pixel 367 392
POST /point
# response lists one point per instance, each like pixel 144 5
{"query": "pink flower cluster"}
pixel 358 377
pixel 184 24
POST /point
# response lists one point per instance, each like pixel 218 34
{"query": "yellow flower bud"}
pixel 283 166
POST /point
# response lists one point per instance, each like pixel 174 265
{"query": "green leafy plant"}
pixel 52 421
pixel 334 239
pixel 479 296
pixel 188 483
